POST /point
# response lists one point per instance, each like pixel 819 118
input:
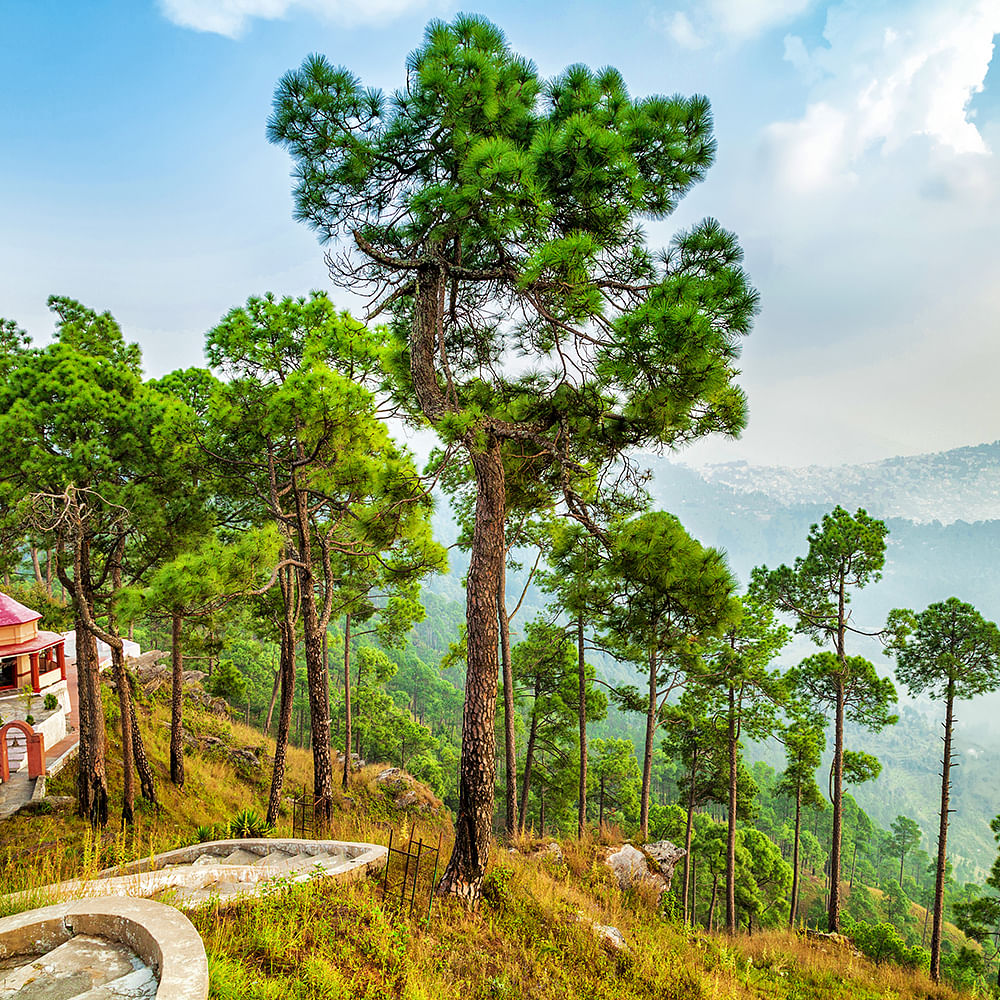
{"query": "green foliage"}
pixel 948 651
pixel 882 943
pixel 248 823
pixel 227 682
pixel 51 702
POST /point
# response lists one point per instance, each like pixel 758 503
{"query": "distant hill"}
pixel 943 514
pixel 958 485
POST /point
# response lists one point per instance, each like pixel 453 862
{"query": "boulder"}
pixel 629 865
pixel 654 864
pixel 666 855
pixel 552 851
pixel 611 936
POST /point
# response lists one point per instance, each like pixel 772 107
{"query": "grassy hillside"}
pixel 227 770
pixel 533 936
pixel 536 933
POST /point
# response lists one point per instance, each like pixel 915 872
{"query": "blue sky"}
pixel 856 162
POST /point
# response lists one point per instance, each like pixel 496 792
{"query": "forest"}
pixel 586 663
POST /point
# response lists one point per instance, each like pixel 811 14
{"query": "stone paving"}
pixel 220 870
pixel 102 949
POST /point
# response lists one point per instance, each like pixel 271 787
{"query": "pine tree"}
pixel 952 653
pixel 489 213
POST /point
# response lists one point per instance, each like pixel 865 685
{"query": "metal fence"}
pixel 411 873
pixel 304 822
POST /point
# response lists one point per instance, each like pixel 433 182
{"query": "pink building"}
pixel 27 654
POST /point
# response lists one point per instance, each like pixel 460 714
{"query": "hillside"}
pixel 958 485
pixel 546 928
pixel 227 772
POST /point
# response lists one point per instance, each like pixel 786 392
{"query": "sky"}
pixel 857 163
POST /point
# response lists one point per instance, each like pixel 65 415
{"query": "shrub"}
pixel 248 823
pixel 51 702
pixel 496 888
pixel 227 682
pixel 882 943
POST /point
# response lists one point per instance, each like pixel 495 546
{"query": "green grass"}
pixel 532 937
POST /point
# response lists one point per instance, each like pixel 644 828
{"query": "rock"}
pixel 356 762
pixel 629 865
pixel 836 939
pixel 145 661
pixel 405 791
pixel 632 866
pixel 666 855
pixel 551 850
pixel 610 936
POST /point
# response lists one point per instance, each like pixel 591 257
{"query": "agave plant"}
pixel 248 823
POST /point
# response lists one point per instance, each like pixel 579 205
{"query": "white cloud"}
pixel 231 17
pixel 885 75
pixel 732 20
pixel 681 30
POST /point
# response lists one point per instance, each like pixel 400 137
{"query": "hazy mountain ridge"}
pixel 958 485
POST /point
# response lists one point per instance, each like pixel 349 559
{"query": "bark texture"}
pixel 176 700
pixel 942 852
pixel 347 700
pixel 510 750
pixel 647 760
pixel 467 866
pixel 287 670
pixel 581 818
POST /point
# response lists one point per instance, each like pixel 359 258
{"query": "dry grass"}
pixel 532 937
pixel 39 849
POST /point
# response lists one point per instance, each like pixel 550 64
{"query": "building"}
pixel 28 656
pixel 34 694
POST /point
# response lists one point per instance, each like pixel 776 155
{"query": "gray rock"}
pixel 666 855
pixel 629 865
pixel 552 851
pixel 611 936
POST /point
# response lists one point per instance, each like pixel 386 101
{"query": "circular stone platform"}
pixel 220 870
pixel 107 948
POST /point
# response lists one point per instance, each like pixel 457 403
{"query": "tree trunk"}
pixel 316 675
pixel 694 890
pixel 347 701
pixel 473 827
pixel 938 925
pixel 92 785
pixel 581 667
pixel 147 784
pixel 269 718
pixel 125 711
pixel 510 750
pixel 647 760
pixel 793 908
pixel 687 832
pixel 176 701
pixel 529 759
pixel 711 905
pixel 287 671
pixel 37 567
pixel 600 808
pixel 731 831
pixel 833 914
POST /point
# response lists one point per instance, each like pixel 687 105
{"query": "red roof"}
pixel 12 613
pixel 44 640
